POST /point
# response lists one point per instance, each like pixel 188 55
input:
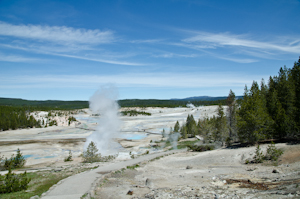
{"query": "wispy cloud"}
pixel 56 34
pixel 172 55
pixel 290 45
pixel 149 41
pixel 40 51
pixel 100 60
pixel 16 58
pixel 239 60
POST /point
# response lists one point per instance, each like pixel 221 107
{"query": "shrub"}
pixel 273 153
pixel 201 148
pixel 17 161
pixel 13 182
pixel 133 166
pixel 91 155
pixel 258 157
pixel 69 158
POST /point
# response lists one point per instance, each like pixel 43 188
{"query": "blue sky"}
pixel 157 49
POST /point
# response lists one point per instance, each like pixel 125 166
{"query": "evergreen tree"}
pixel 253 120
pixel 183 132
pixel 276 112
pixel 295 79
pixel 231 114
pixel 191 127
pixel 220 125
pixel 177 127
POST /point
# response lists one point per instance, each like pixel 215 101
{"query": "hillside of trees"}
pixel 44 105
pixel 267 111
pixel 167 103
pixel 12 117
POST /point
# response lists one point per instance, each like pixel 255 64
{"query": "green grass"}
pixel 133 167
pixel 184 144
pixel 40 183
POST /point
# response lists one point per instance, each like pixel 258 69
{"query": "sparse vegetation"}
pixel 92 155
pixel 14 162
pixel 135 113
pixel 69 158
pixel 258 157
pixel 71 119
pixel 272 154
pixel 12 182
pixel 200 148
pixel 185 144
pixel 133 167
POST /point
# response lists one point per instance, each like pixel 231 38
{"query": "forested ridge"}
pixel 35 105
pixel 12 117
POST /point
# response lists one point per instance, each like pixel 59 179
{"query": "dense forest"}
pixel 12 117
pixel 267 111
pixel 35 105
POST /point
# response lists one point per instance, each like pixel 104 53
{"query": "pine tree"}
pixel 177 127
pixel 191 127
pixel 295 79
pixel 253 120
pixel 231 114
pixel 220 125
pixel 183 132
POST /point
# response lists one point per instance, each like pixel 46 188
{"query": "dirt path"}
pixel 76 186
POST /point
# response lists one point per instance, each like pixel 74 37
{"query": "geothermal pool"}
pixel 43 146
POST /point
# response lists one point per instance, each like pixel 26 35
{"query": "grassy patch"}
pixel 185 144
pixel 201 148
pixel 133 167
pixel 40 183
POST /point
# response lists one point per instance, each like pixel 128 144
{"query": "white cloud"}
pixel 16 58
pixel 100 60
pixel 290 45
pixel 171 55
pixel 239 60
pixel 56 34
pixel 52 51
pixel 149 41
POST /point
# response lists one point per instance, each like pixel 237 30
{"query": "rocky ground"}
pixel 213 174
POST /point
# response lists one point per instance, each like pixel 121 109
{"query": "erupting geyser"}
pixel 104 103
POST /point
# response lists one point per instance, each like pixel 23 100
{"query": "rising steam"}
pixel 190 105
pixel 104 102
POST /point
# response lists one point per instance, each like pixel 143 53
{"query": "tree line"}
pixel 167 103
pixel 16 117
pixel 266 111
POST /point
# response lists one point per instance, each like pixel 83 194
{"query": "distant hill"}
pixel 68 105
pixel 45 104
pixel 204 98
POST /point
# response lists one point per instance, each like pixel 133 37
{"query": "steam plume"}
pixel 104 102
pixel 190 105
